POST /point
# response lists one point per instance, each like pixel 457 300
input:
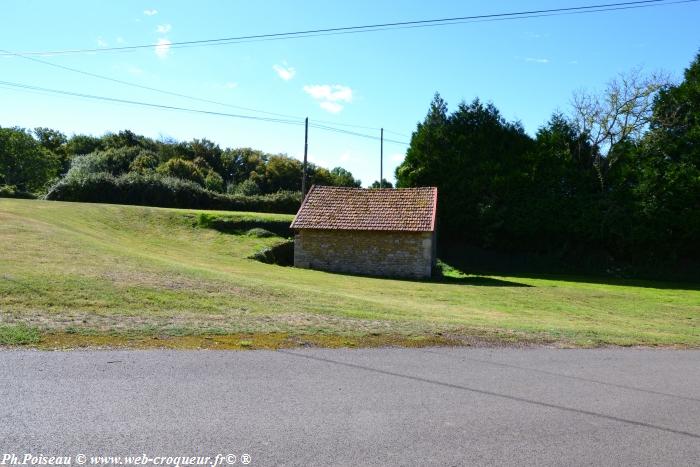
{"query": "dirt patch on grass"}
pixel 235 320
pixel 241 341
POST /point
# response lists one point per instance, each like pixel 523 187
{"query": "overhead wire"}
pixel 290 119
pixel 184 96
pixel 187 109
pixel 376 27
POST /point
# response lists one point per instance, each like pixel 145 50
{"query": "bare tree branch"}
pixel 622 111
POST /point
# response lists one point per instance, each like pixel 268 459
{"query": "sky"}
pixel 529 68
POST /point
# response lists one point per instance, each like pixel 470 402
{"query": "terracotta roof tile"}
pixel 340 208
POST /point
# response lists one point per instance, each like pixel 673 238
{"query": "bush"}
pixel 182 168
pixel 163 191
pixel 246 188
pixel 11 191
pixel 260 233
pixel 113 161
pixel 214 182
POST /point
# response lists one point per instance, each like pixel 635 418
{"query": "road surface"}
pixel 437 406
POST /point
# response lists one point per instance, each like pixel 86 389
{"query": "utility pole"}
pixel 381 161
pixel 306 149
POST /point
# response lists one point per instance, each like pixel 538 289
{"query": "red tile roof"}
pixel 340 208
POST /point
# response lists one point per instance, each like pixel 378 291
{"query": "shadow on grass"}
pixel 479 262
pixel 439 277
pixel 241 227
pixel 480 281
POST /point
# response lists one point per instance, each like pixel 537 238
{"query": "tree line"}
pixel 618 176
pixel 34 161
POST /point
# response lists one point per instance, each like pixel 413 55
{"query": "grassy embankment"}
pixel 74 274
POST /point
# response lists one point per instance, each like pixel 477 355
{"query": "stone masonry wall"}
pixel 398 254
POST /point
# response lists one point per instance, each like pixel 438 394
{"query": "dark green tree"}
pixel 342 177
pixel 384 184
pixel 476 159
pixel 24 163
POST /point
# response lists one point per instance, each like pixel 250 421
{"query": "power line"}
pixel 378 27
pixel 31 88
pixel 361 135
pixel 446 23
pixel 177 94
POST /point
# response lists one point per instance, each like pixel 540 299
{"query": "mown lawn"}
pixel 92 274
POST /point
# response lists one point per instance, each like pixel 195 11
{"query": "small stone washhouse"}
pixel 380 232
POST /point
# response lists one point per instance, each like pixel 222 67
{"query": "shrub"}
pixel 260 233
pixel 182 168
pixel 214 182
pixel 143 163
pixel 246 188
pixel 111 161
pixel 11 191
pixel 157 190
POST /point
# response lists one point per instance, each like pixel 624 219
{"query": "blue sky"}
pixel 528 68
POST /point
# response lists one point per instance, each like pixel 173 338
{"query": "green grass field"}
pixel 91 274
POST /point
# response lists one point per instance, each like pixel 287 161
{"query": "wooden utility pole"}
pixel 306 149
pixel 381 160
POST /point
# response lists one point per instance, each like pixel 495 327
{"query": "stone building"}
pixel 381 232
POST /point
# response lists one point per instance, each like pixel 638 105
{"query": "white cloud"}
pixel 163 48
pixel 344 157
pixel 150 12
pixel 163 28
pixel 329 96
pixel 537 60
pixel 332 107
pixel 231 85
pixel 397 157
pixel 285 72
pixel 101 42
pixel 329 92
pixel 120 40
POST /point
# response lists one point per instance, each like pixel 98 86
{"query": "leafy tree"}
pixel 214 182
pixel 144 162
pixel 342 177
pixel 476 158
pixel 127 139
pixel 668 171
pixel 24 163
pixel 114 161
pixel 240 164
pixel 282 173
pixel 83 144
pixel 384 184
pixel 319 176
pixel 55 142
pixel 182 168
pixel 246 187
pixel 621 112
pixel 207 151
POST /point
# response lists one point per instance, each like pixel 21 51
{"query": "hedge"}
pixel 164 191
pixel 11 191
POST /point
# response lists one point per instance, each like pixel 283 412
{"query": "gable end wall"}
pixel 394 254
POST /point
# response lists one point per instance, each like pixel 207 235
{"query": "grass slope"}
pixel 93 274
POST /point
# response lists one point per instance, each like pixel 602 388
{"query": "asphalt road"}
pixel 435 406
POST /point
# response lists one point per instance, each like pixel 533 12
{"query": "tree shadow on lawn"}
pixel 480 281
pixel 439 277
pixel 482 263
